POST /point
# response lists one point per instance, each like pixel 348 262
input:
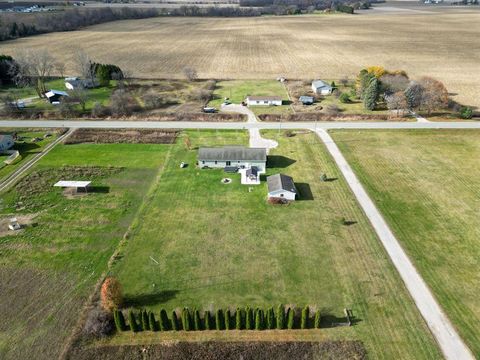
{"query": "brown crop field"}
pixel 422 43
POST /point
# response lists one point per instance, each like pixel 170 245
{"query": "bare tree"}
pixel 434 95
pixel 190 73
pixel 60 68
pixel 397 102
pixel 35 66
pixel 85 66
pixel 392 83
pixel 79 96
pixel 344 81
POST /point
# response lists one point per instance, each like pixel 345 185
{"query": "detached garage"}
pixel 281 186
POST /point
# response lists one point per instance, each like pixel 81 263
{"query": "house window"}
pixel 203 162
pixel 265 102
pixel 228 163
pixel 216 162
pixel 281 195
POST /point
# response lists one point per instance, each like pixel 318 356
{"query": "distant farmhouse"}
pixel 320 87
pixel 233 156
pixel 6 142
pixel 73 83
pixel 54 96
pixel 264 100
pixel 281 186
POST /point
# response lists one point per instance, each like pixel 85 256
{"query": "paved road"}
pixel 234 125
pixel 450 342
pixel 13 177
pixel 256 140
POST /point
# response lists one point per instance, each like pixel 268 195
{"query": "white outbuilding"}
pixel 281 186
pixel 264 100
pixel 320 87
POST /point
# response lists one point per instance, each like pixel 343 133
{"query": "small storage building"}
pixel 281 186
pixel 264 100
pixel 306 100
pixel 6 142
pixel 54 96
pixel 320 87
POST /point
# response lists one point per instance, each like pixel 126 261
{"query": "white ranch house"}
pixel 320 87
pixel 281 186
pixel 232 156
pixel 264 100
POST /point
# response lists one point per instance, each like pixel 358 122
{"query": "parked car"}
pixel 209 110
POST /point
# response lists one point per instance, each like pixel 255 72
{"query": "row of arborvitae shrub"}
pixel 241 319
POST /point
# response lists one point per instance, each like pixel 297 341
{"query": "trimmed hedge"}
pixel 246 319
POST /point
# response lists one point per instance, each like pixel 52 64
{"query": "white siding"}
pixel 264 102
pixel 221 164
pixel 282 194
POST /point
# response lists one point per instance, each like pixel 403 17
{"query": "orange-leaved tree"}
pixel 111 294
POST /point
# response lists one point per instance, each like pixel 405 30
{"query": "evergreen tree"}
pixel 227 319
pixel 239 319
pixel 186 320
pixel 119 320
pixel 197 325
pixel 371 94
pixel 219 321
pixel 290 318
pixel 270 318
pixel 164 321
pixel 317 319
pixel 207 322
pixel 280 317
pixel 132 321
pixel 152 322
pixel 174 321
pixel 258 319
pixel 144 320
pixel 304 318
pixel 249 318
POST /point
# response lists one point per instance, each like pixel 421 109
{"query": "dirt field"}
pixel 99 136
pixel 423 43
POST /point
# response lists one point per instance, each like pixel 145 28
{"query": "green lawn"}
pixel 26 147
pixel 427 184
pixel 238 90
pixel 47 271
pixel 200 243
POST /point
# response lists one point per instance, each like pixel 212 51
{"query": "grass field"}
pixel 296 47
pixel 219 245
pixel 48 270
pixel 427 185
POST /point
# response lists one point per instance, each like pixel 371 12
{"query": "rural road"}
pixel 256 140
pixel 448 339
pixel 234 125
pixel 13 177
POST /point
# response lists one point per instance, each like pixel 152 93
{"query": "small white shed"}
pixel 281 186
pixel 320 87
pixel 264 100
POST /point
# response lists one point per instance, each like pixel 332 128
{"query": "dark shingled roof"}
pixel 280 182
pixel 232 153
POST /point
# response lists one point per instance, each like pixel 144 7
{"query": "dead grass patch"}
pixel 117 136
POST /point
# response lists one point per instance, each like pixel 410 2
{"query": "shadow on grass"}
pixel 279 161
pixel 150 299
pixel 99 189
pixel 304 191
pixel 329 320
pixel 25 147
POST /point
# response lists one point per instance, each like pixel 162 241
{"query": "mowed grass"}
pixel 297 47
pixel 204 244
pixel 427 184
pixel 47 271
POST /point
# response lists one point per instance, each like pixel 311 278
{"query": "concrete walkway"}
pixel 448 339
pixel 420 118
pixel 256 140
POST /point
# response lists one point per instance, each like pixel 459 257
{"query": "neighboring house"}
pixel 306 100
pixel 73 83
pixel 281 186
pixel 54 96
pixel 320 87
pixel 6 142
pixel 264 100
pixel 233 156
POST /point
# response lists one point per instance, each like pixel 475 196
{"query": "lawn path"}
pixel 450 342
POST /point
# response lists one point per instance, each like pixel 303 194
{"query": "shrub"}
pixel 270 318
pixel 164 321
pixel 290 318
pixel 249 318
pixel 258 319
pixel 99 110
pixel 197 325
pixel 119 320
pixel 111 294
pixel 333 85
pixel 144 320
pixel 152 323
pixel 371 94
pixel 344 98
pixel 174 321
pixel 227 319
pixel 304 318
pixel 238 319
pixel 332 109
pixel 317 319
pixel 207 321
pixel 219 321
pixel 132 321
pixel 186 320
pixel 99 323
pixel 280 317
pixel 466 113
